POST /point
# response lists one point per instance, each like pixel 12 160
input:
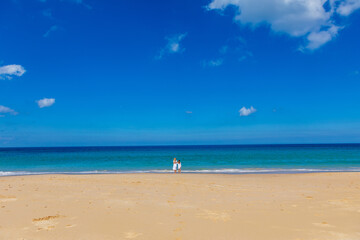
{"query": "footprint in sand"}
pixel 7 198
pixel 70 225
pixel 46 223
pixel 131 235
pixel 322 224
pixel 215 216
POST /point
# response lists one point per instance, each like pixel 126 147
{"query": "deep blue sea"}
pixel 233 159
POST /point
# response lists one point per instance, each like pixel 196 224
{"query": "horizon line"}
pixel 189 145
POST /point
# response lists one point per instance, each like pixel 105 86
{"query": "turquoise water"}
pixel 235 159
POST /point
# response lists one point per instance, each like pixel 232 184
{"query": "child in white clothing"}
pixel 179 166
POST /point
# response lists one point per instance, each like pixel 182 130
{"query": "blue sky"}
pixel 90 72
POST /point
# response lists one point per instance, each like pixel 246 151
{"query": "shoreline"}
pixel 170 172
pixel 306 206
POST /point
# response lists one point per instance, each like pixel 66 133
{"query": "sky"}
pixel 98 73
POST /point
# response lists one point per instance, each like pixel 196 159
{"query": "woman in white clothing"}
pixel 175 165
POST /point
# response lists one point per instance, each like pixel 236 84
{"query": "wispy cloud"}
pixel 312 20
pixel 45 102
pixel 354 73
pixel 80 2
pixel 8 71
pixel 224 49
pixel 235 46
pixel 75 1
pixel 8 110
pixel 246 111
pixel 213 63
pixel 245 55
pixel 188 112
pixel 172 46
pixel 51 29
pixel 47 13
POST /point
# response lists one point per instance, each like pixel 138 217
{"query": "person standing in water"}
pixel 175 165
pixel 179 166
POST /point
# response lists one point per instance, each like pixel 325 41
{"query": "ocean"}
pixel 231 159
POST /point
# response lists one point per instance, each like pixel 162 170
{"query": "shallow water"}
pixel 234 159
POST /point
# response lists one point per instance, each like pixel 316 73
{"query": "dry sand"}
pixel 321 206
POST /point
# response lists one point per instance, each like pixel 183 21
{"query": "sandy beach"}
pixel 321 206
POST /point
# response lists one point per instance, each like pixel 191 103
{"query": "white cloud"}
pixel 188 112
pixel 213 63
pixel 172 46
pixel 298 18
pixel 45 102
pixel 51 29
pixel 6 72
pixel 4 109
pixel 317 39
pixel 347 7
pixel 247 111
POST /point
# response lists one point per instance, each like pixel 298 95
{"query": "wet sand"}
pixel 316 206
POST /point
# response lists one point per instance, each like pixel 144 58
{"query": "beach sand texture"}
pixel 316 206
